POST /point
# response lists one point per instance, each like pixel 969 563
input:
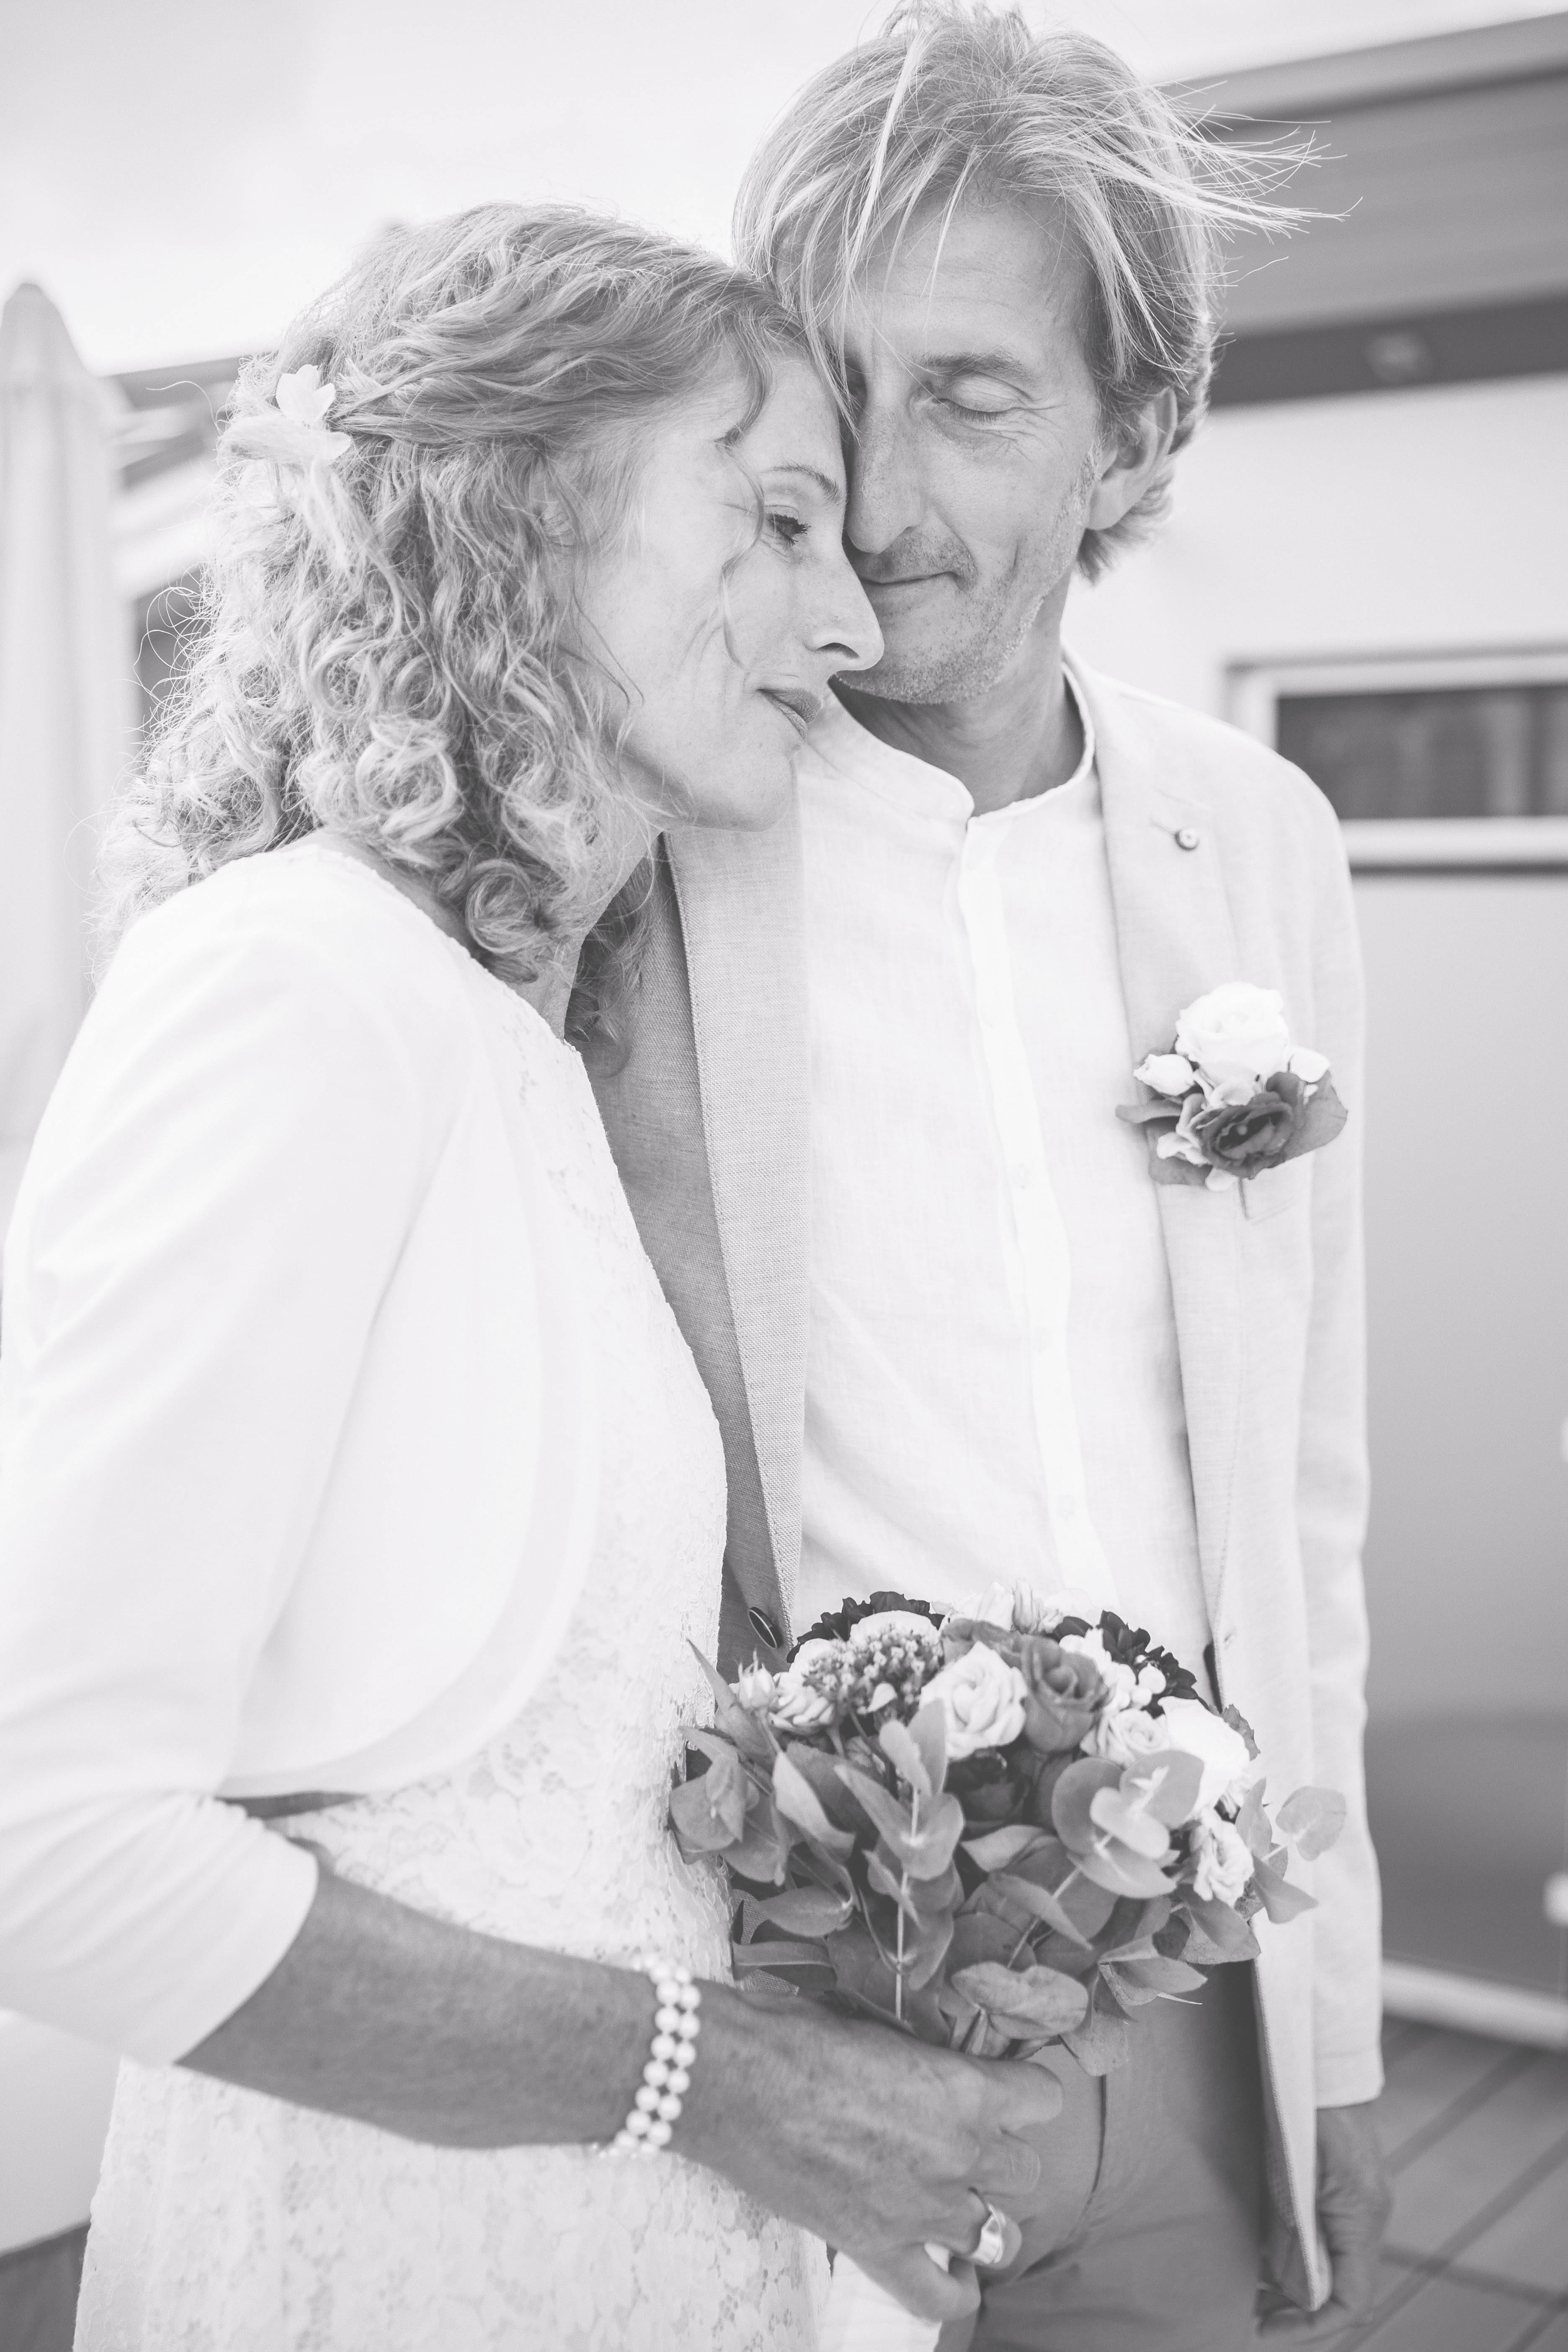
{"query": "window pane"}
pixel 1461 751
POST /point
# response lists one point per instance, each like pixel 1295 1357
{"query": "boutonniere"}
pixel 1233 1097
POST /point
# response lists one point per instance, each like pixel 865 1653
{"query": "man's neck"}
pixel 1018 739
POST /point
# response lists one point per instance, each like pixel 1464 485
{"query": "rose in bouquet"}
pixel 1002 1829
pixel 1233 1097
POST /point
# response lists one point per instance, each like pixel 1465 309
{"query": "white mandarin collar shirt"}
pixel 992 1384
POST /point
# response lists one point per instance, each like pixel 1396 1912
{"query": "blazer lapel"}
pixel 742 909
pixel 1176 940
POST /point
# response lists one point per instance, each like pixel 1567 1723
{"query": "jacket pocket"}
pixel 1278 1189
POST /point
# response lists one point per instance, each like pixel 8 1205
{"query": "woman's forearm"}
pixel 862 2136
pixel 380 2012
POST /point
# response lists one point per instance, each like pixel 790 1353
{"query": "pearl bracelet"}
pixel 667 2077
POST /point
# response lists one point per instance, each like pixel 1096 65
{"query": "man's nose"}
pixel 884 494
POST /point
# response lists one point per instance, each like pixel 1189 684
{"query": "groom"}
pixel 952 1327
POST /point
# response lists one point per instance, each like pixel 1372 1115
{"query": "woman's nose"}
pixel 848 627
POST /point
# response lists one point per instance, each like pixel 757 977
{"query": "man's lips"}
pixel 800 707
pixel 905 580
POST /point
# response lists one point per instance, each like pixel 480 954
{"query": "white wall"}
pixel 1417 521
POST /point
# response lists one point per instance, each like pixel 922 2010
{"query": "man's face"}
pixel 977 457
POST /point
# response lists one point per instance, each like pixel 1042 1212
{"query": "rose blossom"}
pixel 1126 1734
pixel 1167 1074
pixel 1244 1139
pixel 755 1688
pixel 1197 1731
pixel 797 1702
pixel 1223 1860
pixel 1308 1065
pixel 1236 1033
pixel 982 1698
pixel 1181 1141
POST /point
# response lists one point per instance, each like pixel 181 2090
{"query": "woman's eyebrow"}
pixel 825 482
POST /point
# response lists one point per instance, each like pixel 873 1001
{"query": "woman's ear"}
pixel 1140 450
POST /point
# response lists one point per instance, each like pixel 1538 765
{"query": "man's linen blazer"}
pixel 1225 864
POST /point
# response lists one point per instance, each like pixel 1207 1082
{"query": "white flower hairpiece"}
pixel 294 432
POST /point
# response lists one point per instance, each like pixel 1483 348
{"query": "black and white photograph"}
pixel 783 1318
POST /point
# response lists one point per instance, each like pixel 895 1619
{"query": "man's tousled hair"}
pixel 954 101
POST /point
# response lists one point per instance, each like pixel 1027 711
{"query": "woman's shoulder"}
pixel 309 932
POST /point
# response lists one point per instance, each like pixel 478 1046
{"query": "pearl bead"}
pixel 679 2081
pixel 647 2098
pixel 668 2019
pixel 659 2133
pixel 664 2045
pixel 669 2108
pixel 638 2125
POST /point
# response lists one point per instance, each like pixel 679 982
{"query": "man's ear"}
pixel 1131 463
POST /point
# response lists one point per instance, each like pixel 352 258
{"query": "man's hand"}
pixel 864 2137
pixel 1354 2205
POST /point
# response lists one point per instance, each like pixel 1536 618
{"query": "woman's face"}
pixel 724 637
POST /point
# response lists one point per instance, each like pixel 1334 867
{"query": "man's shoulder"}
pixel 1191 753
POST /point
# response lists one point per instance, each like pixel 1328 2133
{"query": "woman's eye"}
pixel 786 528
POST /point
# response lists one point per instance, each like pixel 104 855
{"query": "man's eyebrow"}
pixel 825 482
pixel 951 364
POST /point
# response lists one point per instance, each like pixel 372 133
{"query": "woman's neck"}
pixel 549 994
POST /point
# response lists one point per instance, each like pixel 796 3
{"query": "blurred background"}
pixel 1365 567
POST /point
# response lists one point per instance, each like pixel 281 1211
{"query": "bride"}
pixel 359 1501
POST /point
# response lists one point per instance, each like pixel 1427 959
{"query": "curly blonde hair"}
pixel 952 99
pixel 386 644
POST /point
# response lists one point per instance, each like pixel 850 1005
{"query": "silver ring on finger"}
pixel 991 2249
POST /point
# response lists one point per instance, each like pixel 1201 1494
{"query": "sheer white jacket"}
pixel 297 1431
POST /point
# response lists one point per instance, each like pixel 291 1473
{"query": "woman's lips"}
pixel 799 706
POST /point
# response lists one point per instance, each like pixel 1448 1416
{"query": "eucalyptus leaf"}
pixel 750 1732
pixel 1252 1822
pixel 805 1910
pixel 1313 1819
pixel 798 1802
pixel 709 1813
pixel 1024 2002
pixel 1280 1899
pixel 1101 2044
pixel 1039 1903
pixel 996 1848
pixel 905 1757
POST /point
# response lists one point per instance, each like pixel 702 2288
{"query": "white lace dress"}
pixel 226 2222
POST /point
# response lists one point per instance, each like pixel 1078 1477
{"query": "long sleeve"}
pixel 1332 1488
pixel 216 1203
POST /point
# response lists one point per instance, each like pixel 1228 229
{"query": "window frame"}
pixel 1252 691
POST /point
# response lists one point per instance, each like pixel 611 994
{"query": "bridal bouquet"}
pixel 1004 1830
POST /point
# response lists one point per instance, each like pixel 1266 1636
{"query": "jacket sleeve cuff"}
pixel 1349 2080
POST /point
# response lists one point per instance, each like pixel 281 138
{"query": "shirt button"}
pixel 1021 1179
pixel 1186 838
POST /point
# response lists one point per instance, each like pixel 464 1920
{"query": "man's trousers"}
pixel 1145 2234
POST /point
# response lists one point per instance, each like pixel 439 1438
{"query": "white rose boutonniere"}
pixel 1235 1096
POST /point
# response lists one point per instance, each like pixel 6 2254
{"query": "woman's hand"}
pixel 867 2137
